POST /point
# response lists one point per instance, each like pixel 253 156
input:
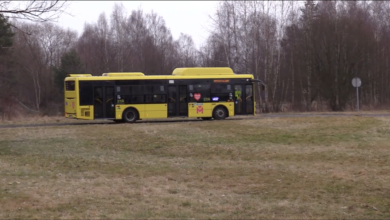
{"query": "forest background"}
pixel 306 53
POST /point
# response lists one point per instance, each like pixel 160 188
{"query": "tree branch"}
pixel 37 11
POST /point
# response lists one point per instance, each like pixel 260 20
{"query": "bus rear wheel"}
pixel 220 113
pixel 130 115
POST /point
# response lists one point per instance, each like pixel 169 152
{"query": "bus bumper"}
pixel 67 115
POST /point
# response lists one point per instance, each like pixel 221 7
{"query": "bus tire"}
pixel 219 113
pixel 130 115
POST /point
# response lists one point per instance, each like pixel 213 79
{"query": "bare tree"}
pixel 187 51
pixel 118 27
pixel 36 55
pixel 246 37
pixel 140 42
pixel 332 42
pixel 33 10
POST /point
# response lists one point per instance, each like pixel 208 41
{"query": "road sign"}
pixel 356 82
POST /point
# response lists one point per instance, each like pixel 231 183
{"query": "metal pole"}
pixel 357 98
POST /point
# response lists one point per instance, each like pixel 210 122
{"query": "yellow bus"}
pixel 189 92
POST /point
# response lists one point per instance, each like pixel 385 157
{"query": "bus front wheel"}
pixel 220 113
pixel 130 115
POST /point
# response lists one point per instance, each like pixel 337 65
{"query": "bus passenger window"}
pixel 125 90
pixel 137 99
pixel 163 98
pixel 203 90
pixel 86 93
pixel 139 90
pixel 159 99
pixel 148 89
pixel 149 98
pixel 126 98
pixel 221 88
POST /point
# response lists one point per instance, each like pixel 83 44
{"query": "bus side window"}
pixel 203 89
pixel 137 99
pixel 148 98
pixel 126 98
pixel 86 93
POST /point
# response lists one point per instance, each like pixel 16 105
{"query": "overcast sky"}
pixel 188 17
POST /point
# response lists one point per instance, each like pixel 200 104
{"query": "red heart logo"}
pixel 197 96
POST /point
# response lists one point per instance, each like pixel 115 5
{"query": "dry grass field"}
pixel 269 168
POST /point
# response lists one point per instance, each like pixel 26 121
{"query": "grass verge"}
pixel 273 168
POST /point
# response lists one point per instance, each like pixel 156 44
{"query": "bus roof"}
pixel 178 73
pixel 199 71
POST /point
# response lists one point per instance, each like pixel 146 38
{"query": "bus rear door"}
pixel 177 100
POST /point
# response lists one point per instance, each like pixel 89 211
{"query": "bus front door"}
pixel 104 103
pixel 177 101
pixel 243 100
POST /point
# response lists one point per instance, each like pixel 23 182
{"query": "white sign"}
pixel 356 82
